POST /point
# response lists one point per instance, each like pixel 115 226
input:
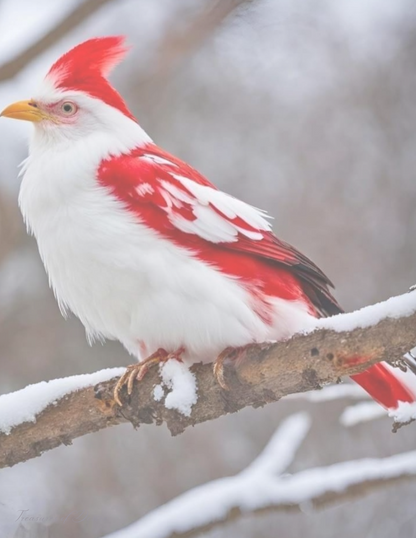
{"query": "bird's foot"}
pixel 234 354
pixel 136 372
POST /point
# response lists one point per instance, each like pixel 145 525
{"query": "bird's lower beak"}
pixel 24 110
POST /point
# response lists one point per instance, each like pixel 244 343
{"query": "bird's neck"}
pixel 116 137
pixel 60 172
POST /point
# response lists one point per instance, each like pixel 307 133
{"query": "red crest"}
pixel 85 68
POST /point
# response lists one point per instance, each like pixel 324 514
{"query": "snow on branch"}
pixel 46 415
pixel 262 487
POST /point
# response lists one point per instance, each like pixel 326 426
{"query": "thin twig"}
pixel 78 15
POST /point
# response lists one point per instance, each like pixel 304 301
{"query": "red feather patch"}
pixel 85 68
pixel 148 182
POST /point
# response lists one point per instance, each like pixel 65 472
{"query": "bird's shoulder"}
pixel 149 180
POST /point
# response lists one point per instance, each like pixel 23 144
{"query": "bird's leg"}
pixel 136 372
pixel 234 354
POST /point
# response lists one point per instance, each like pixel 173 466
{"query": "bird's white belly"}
pixel 147 291
pixel 149 294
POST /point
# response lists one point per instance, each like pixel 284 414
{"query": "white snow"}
pixel 396 307
pixel 406 412
pixel 361 412
pixel 158 393
pixel 353 414
pixel 182 385
pixel 262 484
pixel 24 405
pixel 281 449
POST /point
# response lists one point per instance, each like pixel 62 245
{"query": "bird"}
pixel 143 249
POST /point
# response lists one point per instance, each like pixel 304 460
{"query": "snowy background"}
pixel 306 109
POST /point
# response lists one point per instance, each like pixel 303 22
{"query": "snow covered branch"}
pixel 44 416
pixel 263 487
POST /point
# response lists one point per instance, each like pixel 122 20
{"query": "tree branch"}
pixel 270 371
pixel 172 47
pixel 81 12
pixel 262 487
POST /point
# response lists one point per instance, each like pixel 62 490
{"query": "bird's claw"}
pixel 236 355
pixel 131 370
pixel 136 372
pixel 218 368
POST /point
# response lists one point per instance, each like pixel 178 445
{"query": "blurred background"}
pixel 306 109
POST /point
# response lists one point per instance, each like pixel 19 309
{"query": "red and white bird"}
pixel 145 250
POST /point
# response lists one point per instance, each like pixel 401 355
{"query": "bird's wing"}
pixel 175 200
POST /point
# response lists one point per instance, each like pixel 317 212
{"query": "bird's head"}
pixel 75 97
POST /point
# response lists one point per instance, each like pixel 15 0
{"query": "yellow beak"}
pixel 24 110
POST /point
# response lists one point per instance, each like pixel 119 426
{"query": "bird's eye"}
pixel 69 108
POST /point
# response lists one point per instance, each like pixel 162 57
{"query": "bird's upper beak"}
pixel 25 110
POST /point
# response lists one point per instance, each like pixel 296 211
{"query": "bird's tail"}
pixel 387 385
